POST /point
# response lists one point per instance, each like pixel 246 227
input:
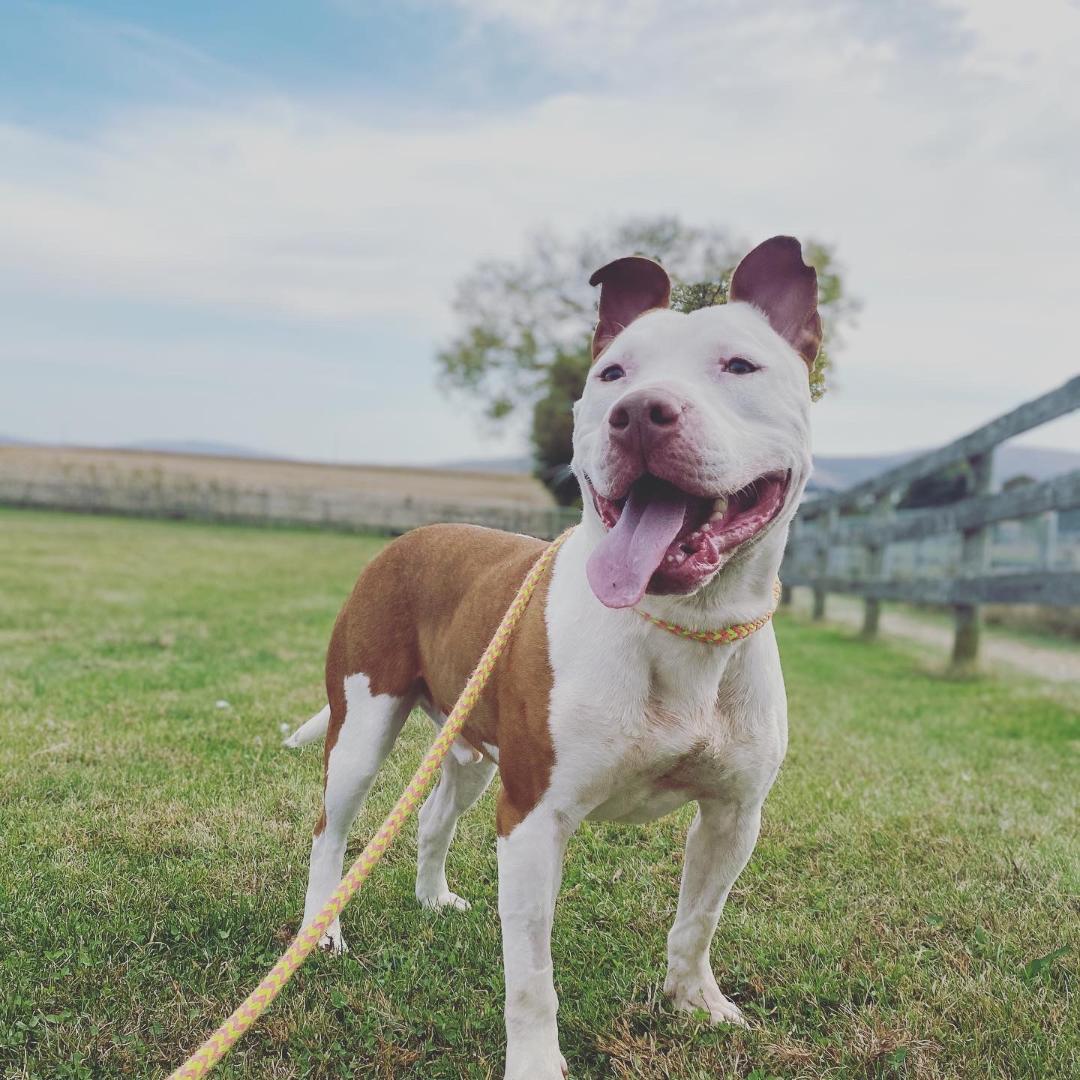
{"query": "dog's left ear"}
pixel 628 288
pixel 774 278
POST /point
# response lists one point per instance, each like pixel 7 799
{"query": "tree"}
pixel 943 488
pixel 1020 480
pixel 527 325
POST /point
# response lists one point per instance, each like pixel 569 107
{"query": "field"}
pixel 911 910
pixel 148 470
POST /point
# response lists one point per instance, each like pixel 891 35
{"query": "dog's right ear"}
pixel 628 288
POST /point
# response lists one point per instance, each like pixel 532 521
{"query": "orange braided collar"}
pixel 726 635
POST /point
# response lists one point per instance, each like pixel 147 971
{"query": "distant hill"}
pixel 831 472
pixel 836 472
pixel 1038 462
pixel 197 446
pixel 497 465
pixel 202 447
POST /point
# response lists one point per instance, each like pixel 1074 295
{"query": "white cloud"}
pixel 935 146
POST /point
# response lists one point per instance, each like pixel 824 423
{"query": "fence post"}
pixel 792 545
pixel 1050 539
pixel 825 527
pixel 874 570
pixel 973 552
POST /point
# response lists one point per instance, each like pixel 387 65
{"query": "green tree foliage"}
pixel 526 325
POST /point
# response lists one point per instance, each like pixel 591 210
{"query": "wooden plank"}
pixel 1056 588
pixel 1031 414
pixel 1060 493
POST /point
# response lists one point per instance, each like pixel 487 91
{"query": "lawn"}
pixel 916 874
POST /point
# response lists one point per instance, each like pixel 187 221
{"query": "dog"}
pixel 692 449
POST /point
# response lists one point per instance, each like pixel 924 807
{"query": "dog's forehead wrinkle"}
pixel 668 338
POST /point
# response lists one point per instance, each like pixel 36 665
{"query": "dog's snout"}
pixel 664 412
pixel 645 415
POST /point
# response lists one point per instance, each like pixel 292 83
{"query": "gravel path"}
pixel 1038 661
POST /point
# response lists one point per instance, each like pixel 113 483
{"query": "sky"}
pixel 244 222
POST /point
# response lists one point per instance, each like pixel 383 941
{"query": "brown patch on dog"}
pixel 418 619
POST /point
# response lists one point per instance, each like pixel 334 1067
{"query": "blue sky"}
pixel 243 222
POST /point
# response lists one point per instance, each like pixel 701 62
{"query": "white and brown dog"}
pixel 692 446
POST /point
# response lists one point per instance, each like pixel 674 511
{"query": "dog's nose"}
pixel 645 416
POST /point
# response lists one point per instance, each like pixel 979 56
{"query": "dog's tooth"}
pixel 719 507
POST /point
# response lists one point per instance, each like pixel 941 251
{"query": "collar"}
pixel 726 635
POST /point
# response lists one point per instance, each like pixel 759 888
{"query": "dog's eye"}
pixel 611 373
pixel 739 365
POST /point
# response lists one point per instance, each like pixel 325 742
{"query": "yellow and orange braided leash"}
pixel 259 1000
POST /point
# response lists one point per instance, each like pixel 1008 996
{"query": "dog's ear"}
pixel 774 278
pixel 628 288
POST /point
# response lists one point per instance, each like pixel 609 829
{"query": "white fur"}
pixel 372 724
pixel 311 731
pixel 642 721
pixel 632 704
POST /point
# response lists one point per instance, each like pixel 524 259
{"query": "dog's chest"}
pixel 674 756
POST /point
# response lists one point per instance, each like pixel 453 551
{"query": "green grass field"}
pixel 911 909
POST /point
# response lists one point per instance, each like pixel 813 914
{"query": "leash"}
pixel 727 635
pixel 258 1001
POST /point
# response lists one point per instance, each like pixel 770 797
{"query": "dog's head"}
pixel 691 439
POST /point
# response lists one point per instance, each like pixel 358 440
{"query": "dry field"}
pixel 127 468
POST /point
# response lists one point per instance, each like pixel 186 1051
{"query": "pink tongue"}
pixel 620 567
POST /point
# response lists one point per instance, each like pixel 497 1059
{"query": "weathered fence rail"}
pixel 864 517
pixel 344 510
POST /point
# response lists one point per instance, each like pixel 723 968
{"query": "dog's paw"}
pixel 533 1071
pixel 444 900
pixel 333 942
pixel 707 999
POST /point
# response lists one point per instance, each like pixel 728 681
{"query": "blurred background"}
pixel 235 239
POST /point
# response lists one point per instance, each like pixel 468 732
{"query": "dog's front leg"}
pixel 718 846
pixel 530 871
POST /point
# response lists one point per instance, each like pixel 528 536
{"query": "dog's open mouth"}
pixel 662 539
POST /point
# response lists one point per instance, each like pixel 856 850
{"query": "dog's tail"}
pixel 312 731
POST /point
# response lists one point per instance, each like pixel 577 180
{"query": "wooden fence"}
pixel 865 518
pixel 270 505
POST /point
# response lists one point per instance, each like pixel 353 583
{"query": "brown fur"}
pixel 416 623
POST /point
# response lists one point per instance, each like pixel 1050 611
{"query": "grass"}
pixel 918 859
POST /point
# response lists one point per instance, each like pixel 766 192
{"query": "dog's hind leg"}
pixel 460 785
pixel 355 749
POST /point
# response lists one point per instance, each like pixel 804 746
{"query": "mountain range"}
pixel 831 472
pixel 836 472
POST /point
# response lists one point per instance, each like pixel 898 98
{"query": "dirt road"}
pixel 1055 664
